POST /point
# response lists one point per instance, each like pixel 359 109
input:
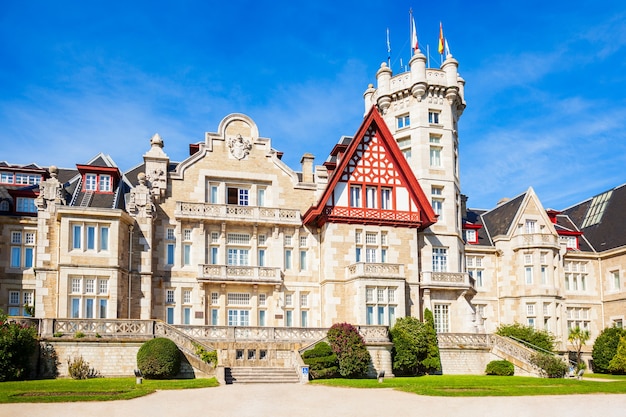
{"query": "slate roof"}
pixel 498 220
pixel 610 231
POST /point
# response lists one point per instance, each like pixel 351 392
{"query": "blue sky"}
pixel 545 82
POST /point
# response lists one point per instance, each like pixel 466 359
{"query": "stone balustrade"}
pixel 375 270
pixel 234 213
pixel 535 240
pixel 240 274
pixel 446 280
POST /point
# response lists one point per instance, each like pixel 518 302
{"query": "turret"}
pixel 418 75
pixel 383 79
pixel 450 67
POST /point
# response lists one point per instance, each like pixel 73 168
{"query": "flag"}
pixel 441 39
pixel 447 48
pixel 388 45
pixel 414 43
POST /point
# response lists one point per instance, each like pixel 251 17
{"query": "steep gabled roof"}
pixel 602 219
pixel 346 160
pixel 498 220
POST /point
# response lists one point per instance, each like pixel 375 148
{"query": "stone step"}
pixel 261 375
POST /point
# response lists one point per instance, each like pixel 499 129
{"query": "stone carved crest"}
pixel 239 147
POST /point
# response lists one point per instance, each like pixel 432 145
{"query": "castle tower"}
pixel 422 108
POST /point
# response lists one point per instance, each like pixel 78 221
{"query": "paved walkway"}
pixel 294 400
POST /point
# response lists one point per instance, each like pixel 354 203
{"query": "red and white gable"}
pixel 372 183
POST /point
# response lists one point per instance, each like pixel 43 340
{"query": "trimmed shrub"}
pixel 415 349
pixel 605 348
pixel 536 338
pixel 17 344
pixel 618 363
pixel 159 358
pixel 432 361
pixel 551 366
pixel 349 346
pixel 322 361
pixel 500 368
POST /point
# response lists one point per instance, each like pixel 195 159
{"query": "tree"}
pixel 605 348
pixel 415 347
pixel 18 342
pixel 536 339
pixel 349 346
pixel 578 337
pixel 618 363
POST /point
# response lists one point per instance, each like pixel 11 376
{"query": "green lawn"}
pixel 482 386
pixel 96 389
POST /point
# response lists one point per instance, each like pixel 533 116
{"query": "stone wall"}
pixel 468 361
pixel 108 358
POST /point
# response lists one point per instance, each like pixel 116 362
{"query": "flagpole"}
pixel 388 50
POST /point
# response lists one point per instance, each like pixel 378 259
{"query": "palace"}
pixel 232 236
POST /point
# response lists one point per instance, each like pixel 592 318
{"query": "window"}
pixel 187 254
pixel 170 234
pixel 289 318
pixel 475 269
pixel 288 261
pixel 433 117
pixel 91 182
pixel 238 298
pixel 442 318
pixel 403 121
pixel 238 257
pixel 238 196
pixel 544 275
pixel 169 296
pixel 437 204
pixel 578 317
pixel 380 310
pixel 262 319
pixel 20 302
pixel 104 238
pixel 530 309
pixel 355 196
pixel 531 227
pixel 91 237
pixel 105 183
pixel 571 242
pixel 289 300
pixel 471 236
pixel 213 194
pixel 170 254
pixel 440 260
pixel 25 205
pixel 615 278
pixel 435 156
pixel 303 242
pixel 260 199
pixel 261 257
pixel 370 197
pixel 304 318
pixel 288 240
pixel 303 265
pixel 214 255
pixel 405 147
pixel 385 198
pixel 22 252
pixel 528 274
pixel 4 205
pixel 6 177
pixel 89 296
pixel 215 298
pixel 304 300
pixel 186 296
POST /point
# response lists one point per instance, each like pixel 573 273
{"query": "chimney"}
pixel 307 167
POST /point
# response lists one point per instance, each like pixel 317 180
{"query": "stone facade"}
pixel 232 236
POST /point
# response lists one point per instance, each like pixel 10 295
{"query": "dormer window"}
pixel 99 182
pixel 105 183
pixel 572 242
pixel 531 227
pixel 90 182
pixel 471 236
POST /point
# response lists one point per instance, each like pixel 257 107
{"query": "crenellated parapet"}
pixel 420 82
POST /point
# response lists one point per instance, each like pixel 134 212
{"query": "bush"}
pixel 605 348
pixel 501 368
pixel 415 349
pixel 207 356
pixel 551 366
pixel 17 344
pixel 349 346
pixel 535 338
pixel 618 363
pixel 322 361
pixel 159 358
pixel 79 368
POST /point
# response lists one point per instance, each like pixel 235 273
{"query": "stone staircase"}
pixel 264 375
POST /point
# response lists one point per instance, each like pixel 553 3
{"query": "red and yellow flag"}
pixel 441 39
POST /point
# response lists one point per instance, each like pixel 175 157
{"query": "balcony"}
pixel 535 240
pixel 444 280
pixel 244 214
pixel 375 270
pixel 240 274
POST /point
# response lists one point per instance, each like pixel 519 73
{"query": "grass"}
pixel 484 386
pixel 96 389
